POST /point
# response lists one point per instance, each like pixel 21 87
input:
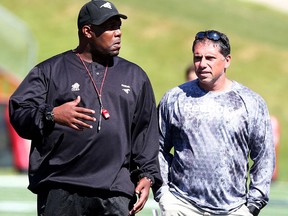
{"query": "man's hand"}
pixel 70 115
pixel 142 191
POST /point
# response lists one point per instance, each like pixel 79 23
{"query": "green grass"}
pixel 158 36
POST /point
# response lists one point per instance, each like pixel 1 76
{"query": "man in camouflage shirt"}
pixel 214 125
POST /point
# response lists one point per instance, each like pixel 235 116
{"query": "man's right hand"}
pixel 69 114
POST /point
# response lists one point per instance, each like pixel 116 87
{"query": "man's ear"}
pixel 87 31
pixel 227 61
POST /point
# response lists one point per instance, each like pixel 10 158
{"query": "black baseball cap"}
pixel 96 12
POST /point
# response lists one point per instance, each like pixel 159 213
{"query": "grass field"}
pixel 16 200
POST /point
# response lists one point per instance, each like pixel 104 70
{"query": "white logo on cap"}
pixel 106 5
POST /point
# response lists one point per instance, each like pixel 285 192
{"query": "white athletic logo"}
pixel 75 87
pixel 106 5
pixel 126 88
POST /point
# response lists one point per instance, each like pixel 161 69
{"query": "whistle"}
pixel 105 114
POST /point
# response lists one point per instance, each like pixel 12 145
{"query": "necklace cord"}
pixel 98 92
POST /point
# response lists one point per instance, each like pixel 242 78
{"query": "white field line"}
pixel 18 206
pixel 15 181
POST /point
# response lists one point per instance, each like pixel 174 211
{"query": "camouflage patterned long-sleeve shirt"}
pixel 213 134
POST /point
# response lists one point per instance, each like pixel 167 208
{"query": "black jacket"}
pixel 90 159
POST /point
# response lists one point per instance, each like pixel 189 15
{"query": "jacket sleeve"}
pixel 165 145
pixel 27 106
pixel 262 153
pixel 145 137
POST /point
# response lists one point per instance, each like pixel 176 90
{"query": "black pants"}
pixel 60 202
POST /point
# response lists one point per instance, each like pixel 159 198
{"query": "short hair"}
pixel 216 37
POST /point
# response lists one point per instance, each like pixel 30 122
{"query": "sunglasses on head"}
pixel 214 36
pixel 211 35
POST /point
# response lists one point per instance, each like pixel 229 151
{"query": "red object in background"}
pixel 276 137
pixel 20 147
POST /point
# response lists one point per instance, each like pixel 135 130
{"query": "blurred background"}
pixel 158 36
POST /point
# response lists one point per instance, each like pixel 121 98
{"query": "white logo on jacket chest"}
pixel 125 88
pixel 75 87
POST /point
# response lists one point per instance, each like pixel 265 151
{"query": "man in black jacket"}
pixel 91 116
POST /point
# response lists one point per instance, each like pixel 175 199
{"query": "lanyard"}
pixel 103 112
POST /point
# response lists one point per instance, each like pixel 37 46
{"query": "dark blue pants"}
pixel 60 202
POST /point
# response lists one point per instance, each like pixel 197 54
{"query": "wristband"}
pixel 147 176
pixel 253 210
pixel 148 179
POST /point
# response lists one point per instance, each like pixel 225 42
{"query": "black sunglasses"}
pixel 211 35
